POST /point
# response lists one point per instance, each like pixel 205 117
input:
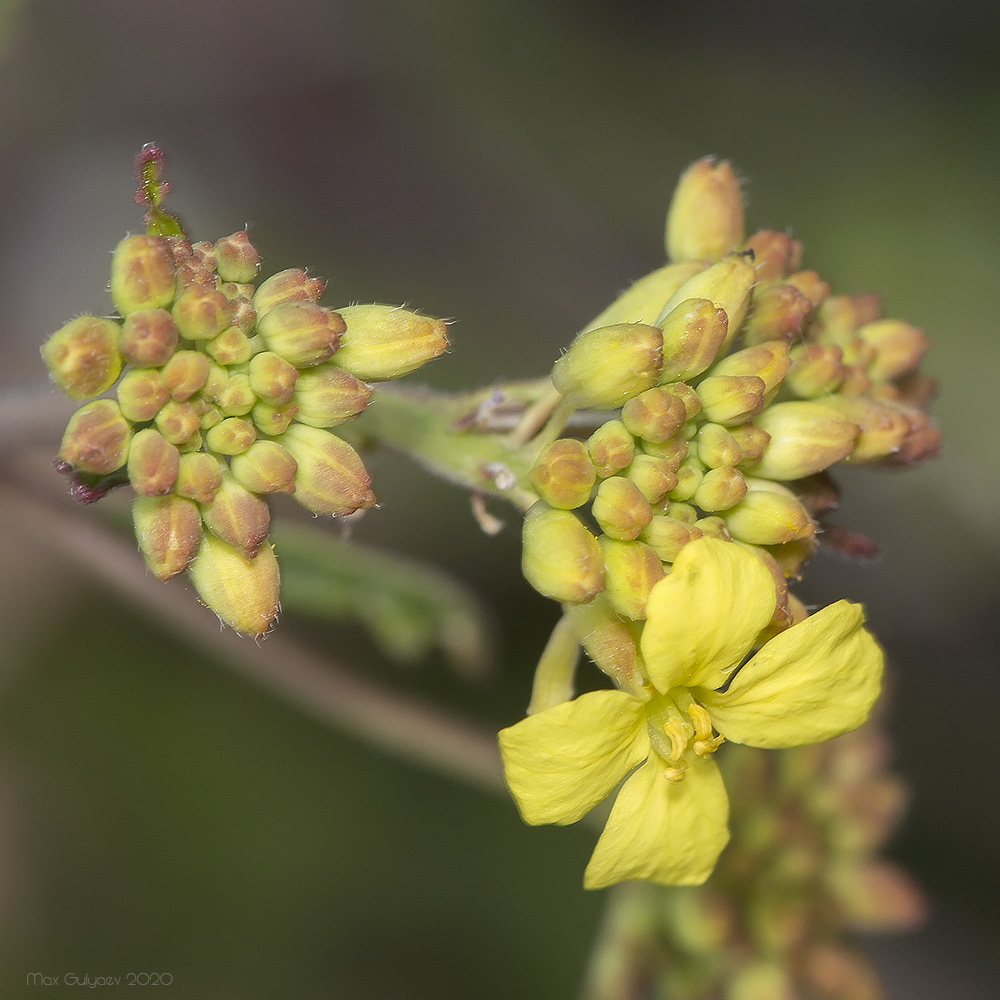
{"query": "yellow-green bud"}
pixel 141 393
pixel 231 347
pixel 231 436
pixel 620 508
pixel 720 489
pixel 242 592
pixel 883 428
pixel 244 316
pixel 331 478
pixel 713 527
pixel 202 312
pixel 777 312
pixel 560 558
pixel 811 285
pixel 97 438
pixel 274 420
pixel 687 395
pixel 717 447
pixel 237 516
pixel 856 381
pixel 774 253
pixel 654 415
pixel 898 345
pixel 643 301
pixel 563 474
pixel 769 361
pixel 752 441
pixel 199 477
pixel 327 395
pixel 689 476
pixel 630 570
pixel 655 476
pixel 153 463
pixel 210 414
pixel 385 342
pixel 236 258
pixel 265 467
pixel 272 378
pixel 674 450
pixel 816 370
pixel 82 357
pixel 236 398
pixel 731 399
pixel 293 285
pixel 611 448
pixel 804 438
pixel 148 338
pixel 764 517
pixel 666 535
pixel 681 512
pixel 609 641
pixel 693 332
pixel 705 219
pixel 177 422
pixel 185 373
pixel 142 274
pixel 303 333
pixel 168 530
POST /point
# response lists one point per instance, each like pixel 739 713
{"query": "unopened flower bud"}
pixel 231 347
pixel 655 476
pixel 898 345
pixel 97 438
pixel 805 438
pixel 777 312
pixel 923 440
pixel 265 467
pixel 693 333
pixel 563 474
pixel 303 333
pixel 752 441
pixel 705 219
pixel 713 526
pixel 185 373
pixel 674 450
pixel 331 478
pixel 231 436
pixel 654 415
pixel 687 395
pixel 611 448
pixel 82 357
pixel 236 398
pixel 385 342
pixel 642 302
pixel 605 367
pixel 142 274
pixel 199 477
pixel 717 447
pixel 168 530
pixel 560 558
pixel 731 399
pixel 202 312
pixel 609 641
pixel 177 422
pixel 689 476
pixel 630 570
pixel 769 361
pixel 816 370
pixel 293 285
pixel 141 393
pixel 764 517
pixel 774 254
pixel 272 378
pixel 811 285
pixel 883 428
pixel 203 253
pixel 620 508
pixel 667 535
pixel 236 258
pixel 148 338
pixel 237 516
pixel 327 395
pixel 153 463
pixel 856 381
pixel 244 316
pixel 242 591
pixel 720 489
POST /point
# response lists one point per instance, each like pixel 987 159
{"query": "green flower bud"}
pixel 265 467
pixel 611 448
pixel 713 527
pixel 185 373
pixel 231 347
pixel 804 438
pixel 236 398
pixel 563 474
pixel 731 399
pixel 811 285
pixel 244 316
pixel 666 536
pixel 386 342
pixel 898 345
pixel 620 508
pixel 605 367
pixel 643 301
pixel 142 274
pixel 856 381
pixel 630 570
pixel 148 338
pixel 705 219
pixel 231 436
pixel 693 333
pixel 141 393
pixel 237 516
pixel 199 477
pixel 177 422
pixel 654 476
pixel 751 439
pixel 237 259
pixel 777 312
pixel 153 463
pixel 609 640
pixel 168 530
pixel 674 450
pixel 764 517
pixel 560 558
pixel 82 357
pixel 272 378
pixel 274 420
pixel 97 438
pixel 327 395
pixel 681 512
pixel 293 285
pixel 242 591
pixel 689 477
pixel 210 414
pixel 720 489
pixel 204 256
pixel 816 370
pixel 202 312
pixel 717 447
pixel 303 333
pixel 883 428
pixel 331 478
pixel 687 395
pixel 654 415
pixel 774 254
pixel 769 361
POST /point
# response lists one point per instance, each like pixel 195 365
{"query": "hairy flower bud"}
pixel 560 558
pixel 611 448
pixel 141 393
pixel 142 274
pixel 620 508
pixel 563 474
pixel 82 357
pixel 97 438
pixel 231 347
pixel 630 570
pixel 272 378
pixel 302 333
pixel 386 342
pixel 655 476
pixel 705 219
pixel 777 312
pixel 199 477
pixel 693 333
pixel 717 447
pixel 236 258
pixel 774 253
pixel 153 463
pixel 237 516
pixel 327 395
pixel 168 530
pixel 202 312
pixel 292 285
pixel 148 338
pixel 331 478
pixel 265 467
pixel 177 422
pixel 805 438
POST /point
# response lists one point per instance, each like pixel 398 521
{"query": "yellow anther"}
pixel 675 773
pixel 705 747
pixel 702 721
pixel 678 734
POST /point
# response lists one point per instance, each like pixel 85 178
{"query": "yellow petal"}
pixel 561 762
pixel 813 681
pixel 670 832
pixel 702 619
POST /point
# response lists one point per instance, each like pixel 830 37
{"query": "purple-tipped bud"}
pixel 82 357
pixel 804 438
pixel 237 516
pixel 560 558
pixel 327 395
pixel 231 347
pixel 202 312
pixel 142 274
pixel 178 422
pixel 97 438
pixel 705 219
pixel 293 285
pixel 265 467
pixel 272 378
pixel 331 478
pixel 148 338
pixel 666 536
pixel 185 373
pixel 654 415
pixel 168 530
pixel 153 463
pixel 274 420
pixel 563 474
pixel 141 393
pixel 620 508
pixel 236 258
pixel 231 436
pixel 630 570
pixel 731 399
pixel 199 477
pixel 720 489
pixel 611 448
pixel 303 333
pixel 385 342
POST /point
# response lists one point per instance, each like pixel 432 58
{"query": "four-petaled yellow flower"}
pixel 669 823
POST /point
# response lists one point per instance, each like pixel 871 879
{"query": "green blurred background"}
pixel 507 164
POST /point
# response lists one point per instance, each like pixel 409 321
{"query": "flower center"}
pixel 677 723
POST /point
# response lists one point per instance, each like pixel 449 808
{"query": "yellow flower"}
pixel 669 823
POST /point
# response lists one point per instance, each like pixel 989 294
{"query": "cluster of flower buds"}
pixel 737 381
pixel 224 392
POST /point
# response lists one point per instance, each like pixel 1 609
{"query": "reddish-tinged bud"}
pixel 717 447
pixel 687 395
pixel 923 441
pixel 766 517
pixel 265 467
pixel 777 312
pixel 630 570
pixel 97 438
pixel 883 428
pixel 620 508
pixel 898 346
pixel 231 436
pixel 327 396
pixel 805 438
pixel 244 316
pixel 916 390
pixel 236 398
pixel 752 441
pixel 293 285
pixel 272 378
pixel 674 450
pixel 768 361
pixel 141 393
pixel 303 333
pixel 202 312
pixel 817 370
pixel 231 347
pixel 237 516
pixel 153 463
pixel 654 476
pixel 204 255
pixel 693 333
pixel 563 474
pixel 731 399
pixel 720 489
pixel 774 254
pixel 82 357
pixel 668 535
pixel 681 512
pixel 654 415
pixel 856 381
pixel 560 558
pixel 168 530
pixel 237 259
pixel 148 338
pixel 199 477
pixel 611 448
pixel 185 373
pixel 811 285
pixel 142 274
pixel 177 422
pixel 331 478
pixel 274 420
pixel 705 219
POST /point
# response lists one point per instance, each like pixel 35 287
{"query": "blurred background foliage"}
pixel 506 164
